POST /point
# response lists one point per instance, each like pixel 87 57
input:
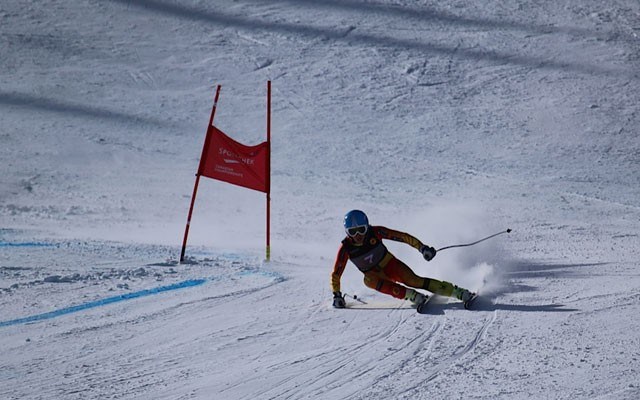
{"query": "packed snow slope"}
pixel 451 120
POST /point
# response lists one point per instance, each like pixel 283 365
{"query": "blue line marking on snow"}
pixel 24 244
pixel 98 303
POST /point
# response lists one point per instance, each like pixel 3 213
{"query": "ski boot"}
pixel 418 299
pixel 464 295
pixel 415 297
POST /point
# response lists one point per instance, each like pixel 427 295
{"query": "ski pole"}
pixel 476 242
pixel 356 298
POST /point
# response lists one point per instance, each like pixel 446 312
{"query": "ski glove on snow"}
pixel 338 300
pixel 428 252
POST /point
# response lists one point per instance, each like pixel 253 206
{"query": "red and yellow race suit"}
pixel 382 270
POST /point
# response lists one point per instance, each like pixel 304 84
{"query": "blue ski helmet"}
pixel 355 218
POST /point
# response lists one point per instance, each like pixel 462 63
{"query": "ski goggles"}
pixel 357 230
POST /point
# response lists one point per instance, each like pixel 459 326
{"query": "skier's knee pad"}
pixel 371 282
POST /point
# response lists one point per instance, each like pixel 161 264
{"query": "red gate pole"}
pixel 268 170
pixel 205 150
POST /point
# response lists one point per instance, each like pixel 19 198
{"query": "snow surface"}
pixel 450 120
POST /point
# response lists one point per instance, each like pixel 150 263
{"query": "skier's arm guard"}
pixel 338 269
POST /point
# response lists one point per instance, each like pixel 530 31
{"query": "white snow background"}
pixel 450 120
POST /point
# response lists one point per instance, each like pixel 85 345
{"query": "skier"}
pixel 382 270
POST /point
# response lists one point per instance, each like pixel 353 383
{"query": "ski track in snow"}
pixel 347 362
pixel 330 372
pixel 432 369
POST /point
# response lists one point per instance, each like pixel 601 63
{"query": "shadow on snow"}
pixel 350 35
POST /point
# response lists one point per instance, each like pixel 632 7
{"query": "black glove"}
pixel 428 252
pixel 338 300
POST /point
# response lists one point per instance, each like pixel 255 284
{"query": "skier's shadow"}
pixel 486 304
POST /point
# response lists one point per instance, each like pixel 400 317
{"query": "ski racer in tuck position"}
pixel 382 270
